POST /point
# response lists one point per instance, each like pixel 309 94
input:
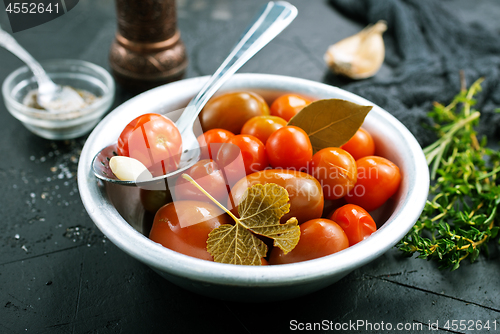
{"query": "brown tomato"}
pixel 231 111
pixel 304 192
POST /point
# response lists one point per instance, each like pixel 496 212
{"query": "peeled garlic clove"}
pixel 359 56
pixel 129 169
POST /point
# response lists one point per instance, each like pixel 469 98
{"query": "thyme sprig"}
pixel 461 214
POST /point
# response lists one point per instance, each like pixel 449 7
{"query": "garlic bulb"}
pixel 359 56
pixel 129 169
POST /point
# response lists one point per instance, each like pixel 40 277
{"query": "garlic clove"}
pixel 129 169
pixel 359 56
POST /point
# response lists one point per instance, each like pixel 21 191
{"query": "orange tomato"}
pixel 211 141
pixel 262 126
pixel 360 145
pixel 378 180
pixel 171 227
pixel 355 221
pixel 288 105
pixel 289 147
pixel 318 238
pixel 336 170
pixel 249 148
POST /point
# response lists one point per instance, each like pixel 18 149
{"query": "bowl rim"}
pixel 110 222
pixel 101 103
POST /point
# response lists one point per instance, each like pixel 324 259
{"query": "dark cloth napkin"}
pixel 426 47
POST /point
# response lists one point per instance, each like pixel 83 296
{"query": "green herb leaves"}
pixel 330 122
pixel 460 215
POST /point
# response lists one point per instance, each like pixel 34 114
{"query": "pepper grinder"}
pixel 147 50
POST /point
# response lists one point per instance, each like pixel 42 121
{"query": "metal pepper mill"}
pixel 147 50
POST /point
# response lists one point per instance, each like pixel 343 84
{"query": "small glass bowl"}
pixel 60 125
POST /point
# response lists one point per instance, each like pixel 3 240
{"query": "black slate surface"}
pixel 59 274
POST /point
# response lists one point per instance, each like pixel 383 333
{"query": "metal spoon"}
pixel 275 17
pixel 50 96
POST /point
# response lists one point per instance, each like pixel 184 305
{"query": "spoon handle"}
pixel 9 43
pixel 275 17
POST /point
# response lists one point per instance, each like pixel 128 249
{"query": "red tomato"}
pixel 172 229
pixel 249 148
pixel 208 175
pixel 288 105
pixel 262 126
pixel 378 180
pixel 209 139
pixel 304 192
pixel 336 170
pixel 355 221
pixel 318 238
pixel 231 110
pixel 154 140
pixel 289 147
pixel 360 145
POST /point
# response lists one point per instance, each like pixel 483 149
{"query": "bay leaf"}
pixel 330 122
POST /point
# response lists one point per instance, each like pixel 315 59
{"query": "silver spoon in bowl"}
pixel 275 17
pixel 50 96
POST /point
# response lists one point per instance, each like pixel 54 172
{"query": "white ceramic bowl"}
pixel 122 222
pixel 78 74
